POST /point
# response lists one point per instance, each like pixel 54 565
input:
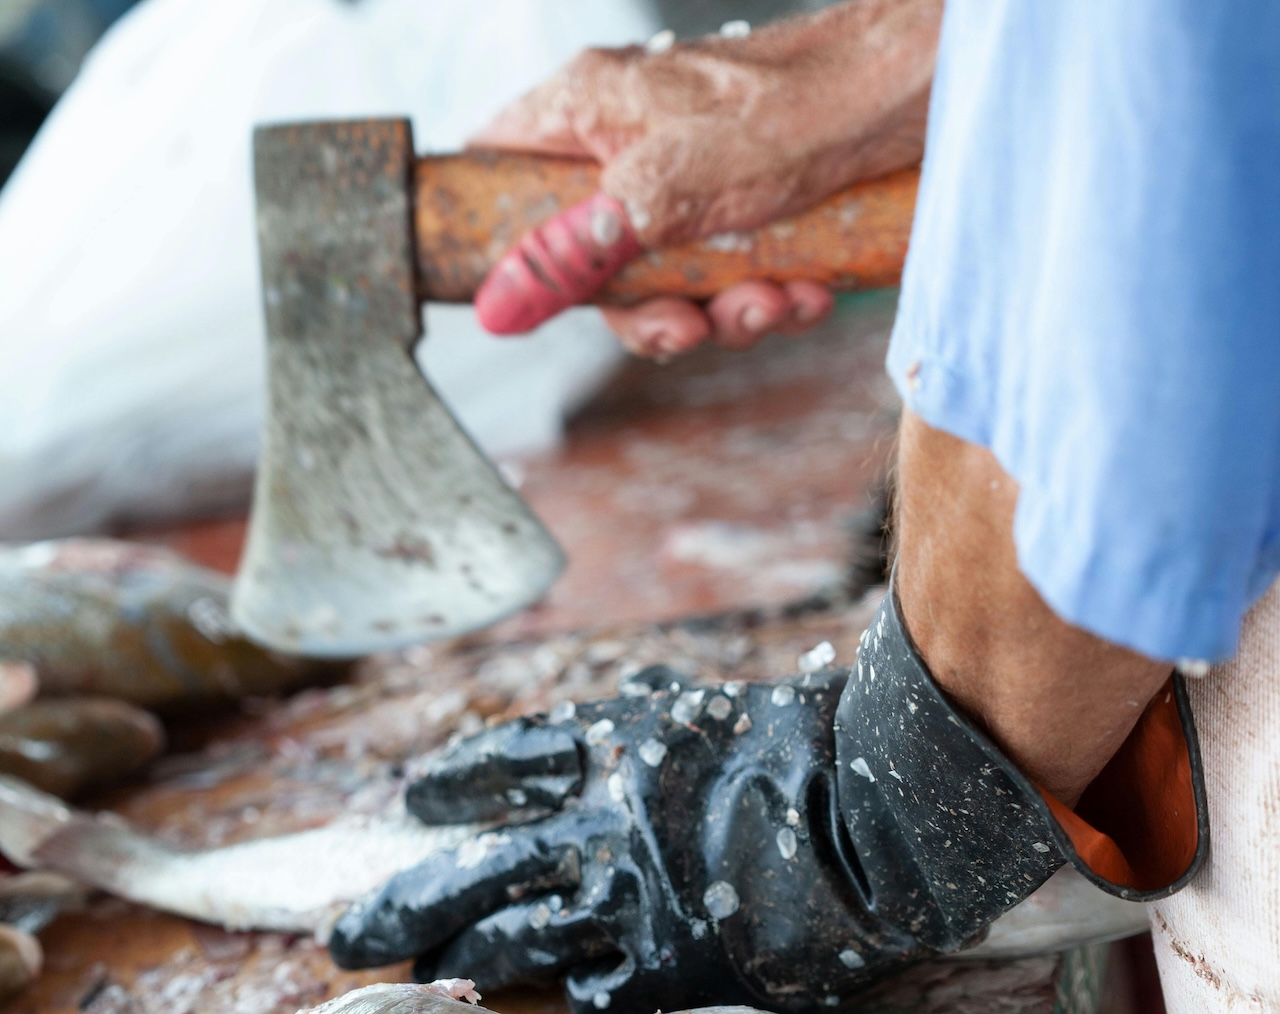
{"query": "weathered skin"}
pixel 68 746
pixel 113 619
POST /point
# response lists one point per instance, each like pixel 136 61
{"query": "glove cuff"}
pixel 946 834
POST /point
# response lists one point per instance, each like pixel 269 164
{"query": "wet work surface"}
pixel 707 507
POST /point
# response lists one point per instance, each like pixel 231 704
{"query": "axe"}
pixel 376 522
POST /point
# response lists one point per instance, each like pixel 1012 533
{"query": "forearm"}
pixel 1058 700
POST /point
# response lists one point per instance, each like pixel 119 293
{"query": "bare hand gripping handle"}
pixel 472 208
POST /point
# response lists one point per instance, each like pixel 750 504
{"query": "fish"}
pixel 293 883
pixel 68 746
pixel 109 618
pixel 443 996
pixel 302 882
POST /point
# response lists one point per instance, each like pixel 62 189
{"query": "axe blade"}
pixel 377 523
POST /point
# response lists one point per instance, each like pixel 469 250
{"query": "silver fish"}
pixel 440 997
pixel 302 882
pixel 297 883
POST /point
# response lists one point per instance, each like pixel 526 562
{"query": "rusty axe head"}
pixel 376 522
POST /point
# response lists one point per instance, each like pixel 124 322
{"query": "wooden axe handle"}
pixel 470 209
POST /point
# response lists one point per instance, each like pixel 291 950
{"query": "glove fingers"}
pixel 523 764
pixel 418 910
pixel 529 944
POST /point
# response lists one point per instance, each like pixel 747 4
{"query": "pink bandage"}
pixel 561 263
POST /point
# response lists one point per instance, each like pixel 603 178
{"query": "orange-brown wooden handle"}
pixel 471 208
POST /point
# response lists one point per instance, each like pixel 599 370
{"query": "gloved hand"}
pixel 695 855
pixel 774 845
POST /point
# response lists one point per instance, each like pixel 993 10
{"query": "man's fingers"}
pixel 419 909
pixel 527 944
pixel 742 315
pixel 737 318
pixel 665 326
pixel 523 764
pixel 811 304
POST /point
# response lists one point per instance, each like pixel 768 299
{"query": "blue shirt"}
pixel 1093 293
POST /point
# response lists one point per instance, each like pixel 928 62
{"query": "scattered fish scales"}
pixel 817 658
pixel 565 711
pixel 598 734
pixel 653 752
pixel 688 707
pixel 720 708
pixel 721 900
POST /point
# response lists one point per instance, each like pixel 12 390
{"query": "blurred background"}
pixel 42 44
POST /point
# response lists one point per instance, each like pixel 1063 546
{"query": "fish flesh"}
pixel 295 883
pixel 140 624
pixel 67 746
pixel 302 882
pixel 440 997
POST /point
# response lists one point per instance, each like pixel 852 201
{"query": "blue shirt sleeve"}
pixel 1093 293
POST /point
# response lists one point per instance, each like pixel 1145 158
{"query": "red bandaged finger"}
pixel 563 262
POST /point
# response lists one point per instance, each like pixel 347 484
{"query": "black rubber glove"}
pixel 695 857
pixel 774 845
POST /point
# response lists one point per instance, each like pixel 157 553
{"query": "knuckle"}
pixel 586 70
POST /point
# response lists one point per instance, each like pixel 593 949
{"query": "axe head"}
pixel 376 522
